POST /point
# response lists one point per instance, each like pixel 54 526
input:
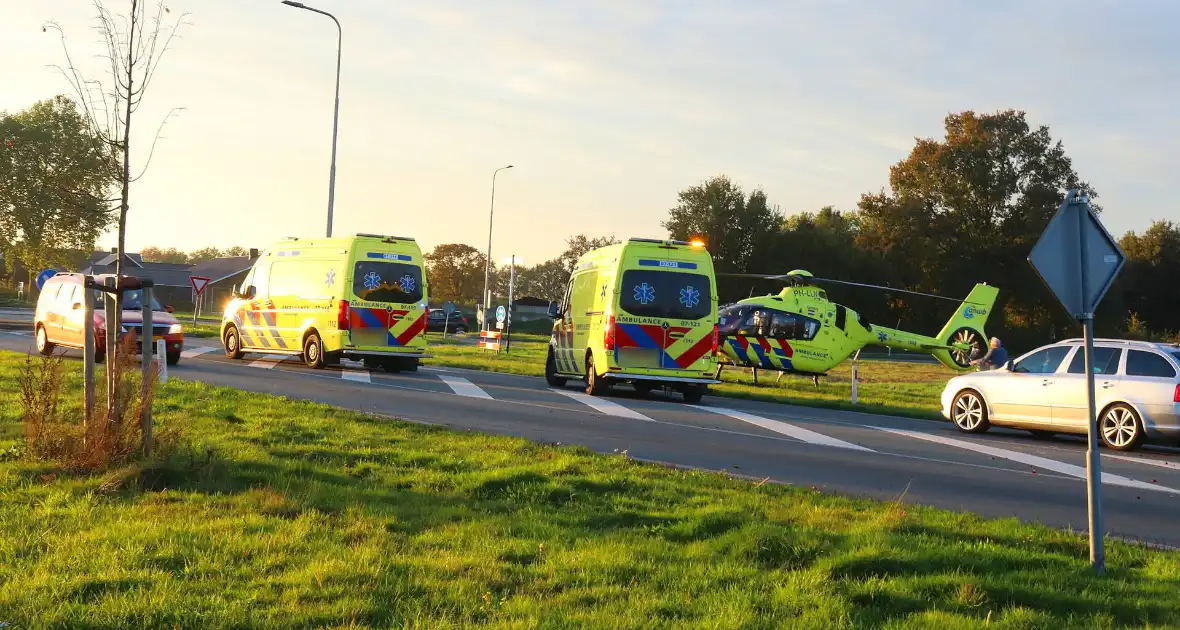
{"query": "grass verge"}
pixel 898 388
pixel 292 514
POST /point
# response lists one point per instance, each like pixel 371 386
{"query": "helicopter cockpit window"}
pixel 793 326
pixel 756 323
pixel 731 318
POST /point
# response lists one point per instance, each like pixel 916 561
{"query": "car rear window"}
pixel 381 281
pixel 1106 361
pixel 1140 363
pixel 666 294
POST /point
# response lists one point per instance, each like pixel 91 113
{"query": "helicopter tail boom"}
pixel 963 335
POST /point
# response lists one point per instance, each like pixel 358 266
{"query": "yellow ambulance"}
pixel 361 297
pixel 642 312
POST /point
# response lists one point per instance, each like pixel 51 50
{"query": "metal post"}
pixel 112 340
pixel 147 342
pixel 855 376
pixel 1093 460
pixel 88 352
pixel 487 267
pixel 508 324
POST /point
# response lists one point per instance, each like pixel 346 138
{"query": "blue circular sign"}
pixel 44 276
pixel 501 313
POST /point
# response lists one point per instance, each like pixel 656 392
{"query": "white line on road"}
pixel 195 352
pixel 608 407
pixel 1141 460
pixel 434 369
pixel 268 361
pixel 463 387
pixel 360 376
pixel 1031 460
pixel 789 430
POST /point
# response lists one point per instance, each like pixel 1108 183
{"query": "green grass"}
pixel 892 387
pixel 285 514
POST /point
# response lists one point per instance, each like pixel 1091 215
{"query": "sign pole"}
pixel 1093 458
pixel 508 324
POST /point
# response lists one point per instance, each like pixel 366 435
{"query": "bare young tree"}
pixel 135 43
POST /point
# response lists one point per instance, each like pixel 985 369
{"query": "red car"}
pixel 58 318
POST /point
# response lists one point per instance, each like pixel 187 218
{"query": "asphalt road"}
pixel 1000 474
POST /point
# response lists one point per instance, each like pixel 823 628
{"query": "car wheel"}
pixel 232 342
pixel 551 376
pixel 313 352
pixel 969 413
pixel 594 384
pixel 44 346
pixel 172 358
pixel 1120 427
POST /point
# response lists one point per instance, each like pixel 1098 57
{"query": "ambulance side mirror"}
pixel 554 310
pixel 249 293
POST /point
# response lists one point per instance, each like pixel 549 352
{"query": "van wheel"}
pixel 313 352
pixel 641 388
pixel 693 393
pixel 1121 428
pixel 44 346
pixel 594 384
pixel 551 376
pixel 232 342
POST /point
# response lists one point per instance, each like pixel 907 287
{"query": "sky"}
pixel 605 108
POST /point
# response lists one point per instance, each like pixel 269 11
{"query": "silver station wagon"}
pixel 1136 393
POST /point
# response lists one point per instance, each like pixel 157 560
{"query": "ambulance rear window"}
pixel 666 294
pixel 381 281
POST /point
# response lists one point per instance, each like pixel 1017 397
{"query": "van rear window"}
pixel 380 281
pixel 666 294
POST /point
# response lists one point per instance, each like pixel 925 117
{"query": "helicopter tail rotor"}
pixel 964 333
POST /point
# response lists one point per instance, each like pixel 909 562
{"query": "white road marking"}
pixel 194 352
pixel 1150 462
pixel 360 376
pixel 268 361
pixel 434 369
pixel 608 407
pixel 789 430
pixel 1031 460
pixel 463 387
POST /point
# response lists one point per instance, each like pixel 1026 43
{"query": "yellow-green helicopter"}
pixel 801 331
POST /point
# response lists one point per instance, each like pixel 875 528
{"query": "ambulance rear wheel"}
pixel 594 384
pixel 551 376
pixel 313 351
pixel 693 393
pixel 643 389
pixel 232 343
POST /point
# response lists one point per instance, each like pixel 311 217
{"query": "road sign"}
pixel 449 309
pixel 44 276
pixel 199 283
pixel 1078 260
pixel 1076 257
pixel 501 314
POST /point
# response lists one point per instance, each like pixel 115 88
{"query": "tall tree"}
pixel 456 272
pixel 1147 282
pixel 579 244
pixel 161 255
pixel 968 208
pixel 52 178
pixel 235 251
pixel 203 254
pixel 547 280
pixel 733 225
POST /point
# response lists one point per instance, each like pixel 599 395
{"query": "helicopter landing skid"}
pixel 754 373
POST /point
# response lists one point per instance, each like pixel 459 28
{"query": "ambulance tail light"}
pixel 342 322
pixel 716 338
pixel 609 341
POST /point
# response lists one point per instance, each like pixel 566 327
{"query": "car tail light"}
pixel 342 315
pixel 609 342
pixel 716 338
pixel 1176 396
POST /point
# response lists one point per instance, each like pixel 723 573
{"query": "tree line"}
pixel 964 208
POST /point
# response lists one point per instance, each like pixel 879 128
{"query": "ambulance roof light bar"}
pixel 656 240
pixel 384 237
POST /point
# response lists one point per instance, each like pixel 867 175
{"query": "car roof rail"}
pixel 1126 342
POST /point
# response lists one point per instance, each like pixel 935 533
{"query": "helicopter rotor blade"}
pixel 887 289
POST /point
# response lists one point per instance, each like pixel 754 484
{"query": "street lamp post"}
pixel 336 111
pixel 487 267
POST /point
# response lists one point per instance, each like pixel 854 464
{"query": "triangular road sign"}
pixel 199 283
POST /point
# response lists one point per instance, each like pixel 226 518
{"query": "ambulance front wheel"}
pixel 551 376
pixel 594 384
pixel 232 343
pixel 313 352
